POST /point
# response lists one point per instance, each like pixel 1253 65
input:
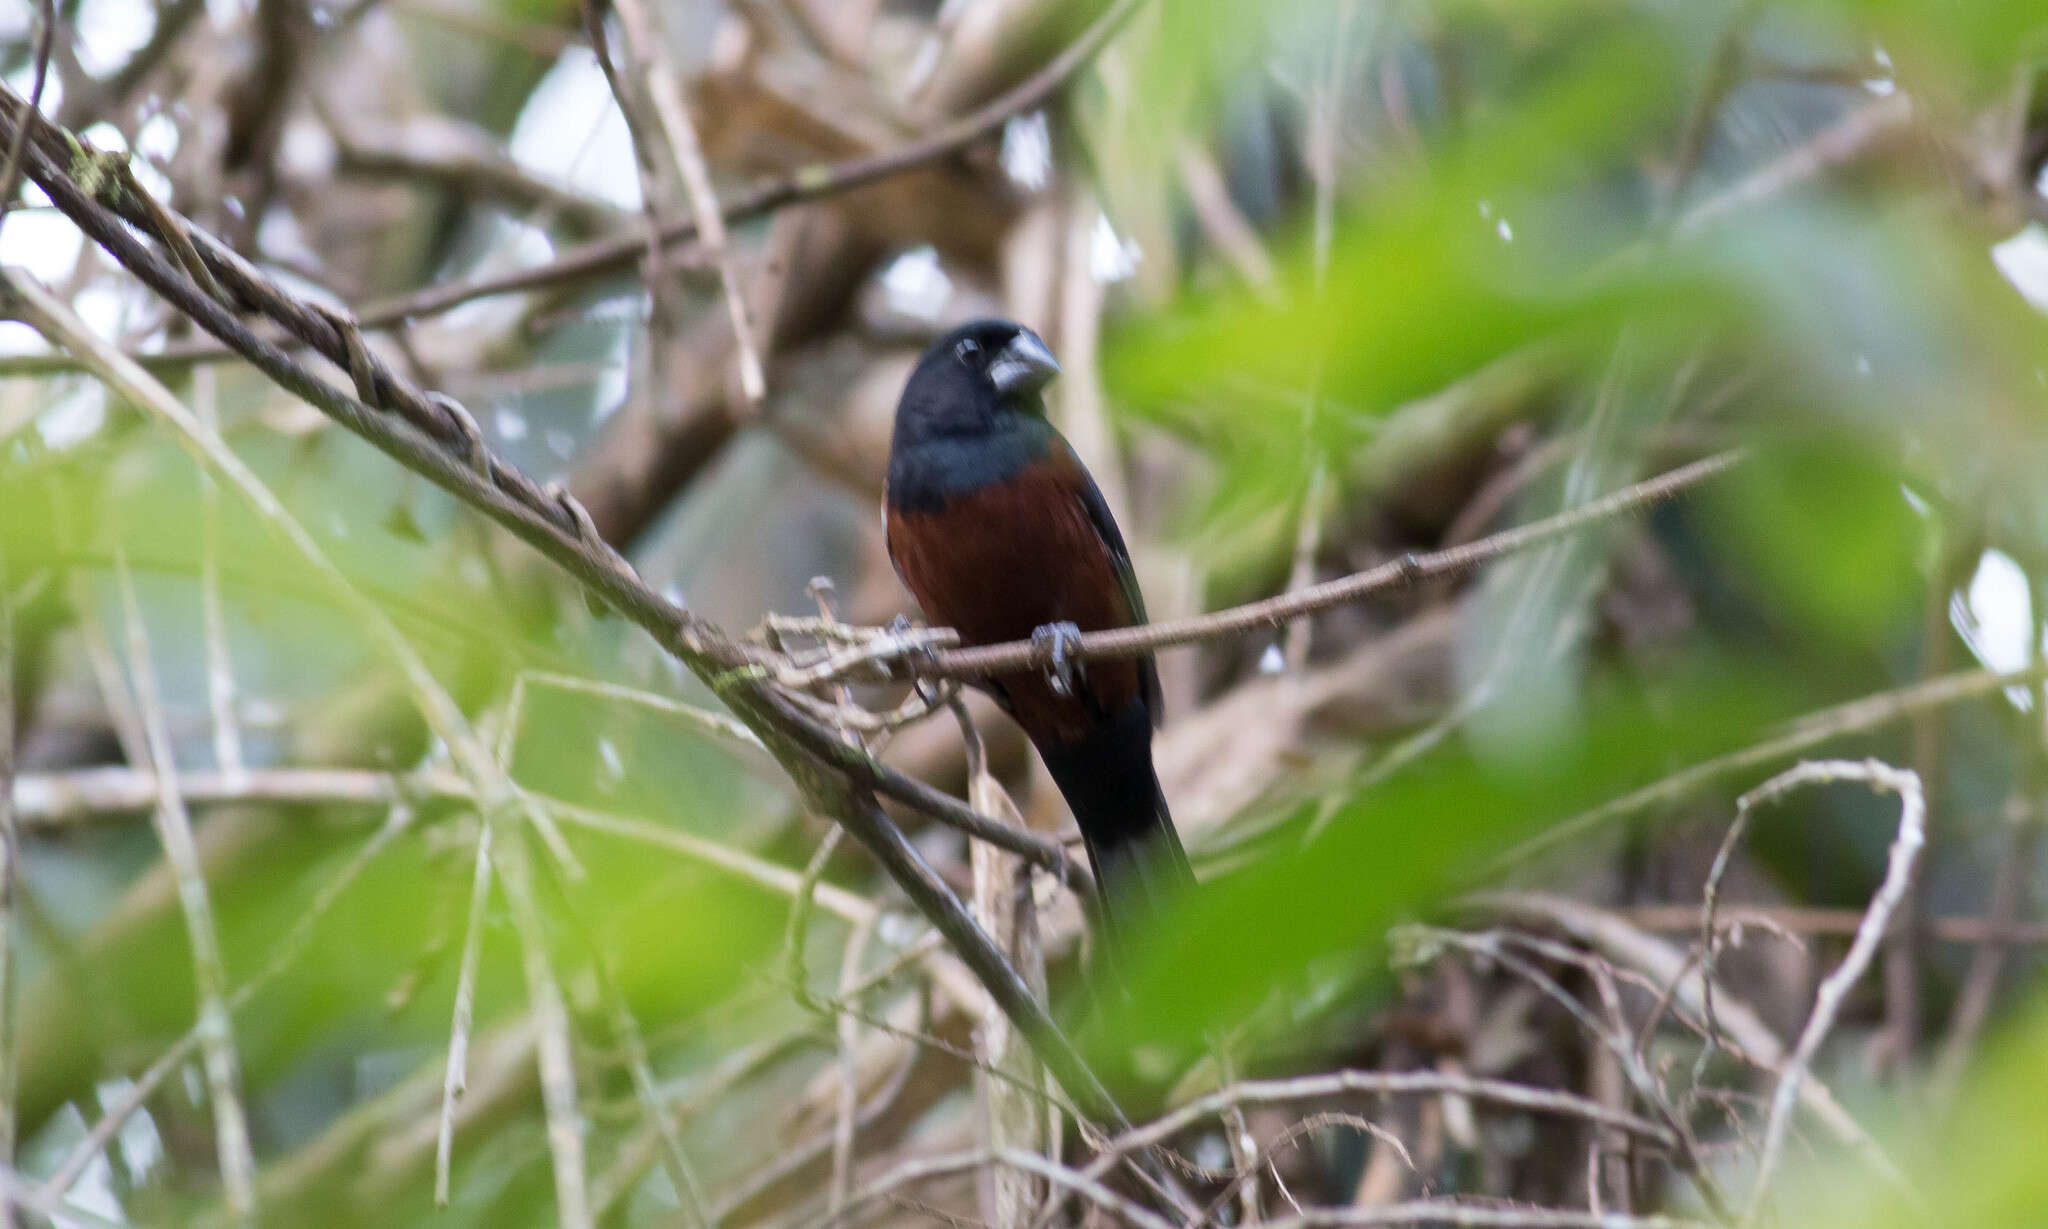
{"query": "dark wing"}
pixel 1105 525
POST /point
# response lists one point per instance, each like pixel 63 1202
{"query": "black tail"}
pixel 1107 778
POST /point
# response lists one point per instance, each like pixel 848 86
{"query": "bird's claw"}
pixel 1054 645
pixel 917 652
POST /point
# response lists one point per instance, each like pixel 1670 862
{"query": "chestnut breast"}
pixel 1000 560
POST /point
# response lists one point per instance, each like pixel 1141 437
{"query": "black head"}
pixel 972 377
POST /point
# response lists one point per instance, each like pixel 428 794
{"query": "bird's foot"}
pixel 1054 646
pixel 918 657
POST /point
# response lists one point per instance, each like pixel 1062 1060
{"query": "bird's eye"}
pixel 968 350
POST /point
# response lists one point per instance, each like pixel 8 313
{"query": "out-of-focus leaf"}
pixel 1824 534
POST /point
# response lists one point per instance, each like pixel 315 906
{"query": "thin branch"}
pixel 640 1069
pixel 1855 717
pixel 1014 1111
pixel 47 801
pixel 1374 1083
pixel 443 716
pixel 10 890
pixel 716 724
pixel 455 1079
pixel 847 1032
pixel 1468 1215
pixel 220 670
pixel 1827 1004
pixel 1842 142
pixel 461 158
pixel 849 907
pixel 555 1049
pixel 1407 571
pixel 1685 1145
pixel 174 829
pixel 924 1169
pixel 1321 156
pixel 1789 919
pixel 1753 1040
pixel 647 49
pixel 10 171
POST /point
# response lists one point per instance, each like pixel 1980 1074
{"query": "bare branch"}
pixel 656 76
pixel 174 830
pixel 456 1078
pixel 556 1050
pixel 10 889
pixel 1905 851
pixel 10 170
pixel 1855 717
pixel 1407 571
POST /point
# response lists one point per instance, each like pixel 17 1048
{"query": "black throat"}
pixel 928 469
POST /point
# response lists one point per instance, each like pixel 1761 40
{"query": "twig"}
pixel 796 928
pixel 10 889
pixel 1014 1110
pixel 640 1068
pixel 1225 225
pixel 1685 1146
pixel 456 1078
pixel 847 906
pixel 1665 965
pixel 1855 717
pixel 1905 850
pixel 460 158
pixel 716 724
pixel 1906 945
pixel 847 1031
pixel 647 45
pixel 105 665
pixel 439 709
pixel 924 1169
pixel 1987 963
pixel 67 799
pixel 1723 73
pixel 181 852
pixel 2009 892
pixel 1794 920
pixel 10 171
pixel 220 671
pixel 1466 1215
pixel 555 1049
pixel 634 1156
pixel 1841 142
pixel 90 100
pixel 807 1152
pixel 1408 570
pixel 1267 1159
pixel 1321 156
pixel 1376 1083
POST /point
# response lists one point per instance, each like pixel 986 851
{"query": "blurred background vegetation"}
pixel 1332 282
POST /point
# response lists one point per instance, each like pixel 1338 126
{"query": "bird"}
pixel 998 531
